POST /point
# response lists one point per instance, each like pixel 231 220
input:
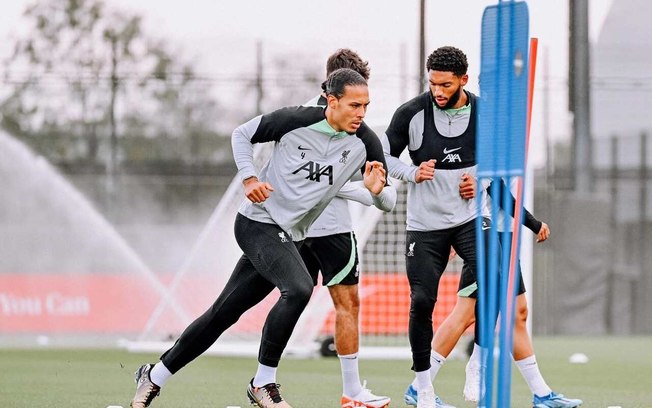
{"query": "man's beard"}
pixel 452 101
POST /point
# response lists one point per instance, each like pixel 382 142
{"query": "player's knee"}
pixel 422 303
pixel 298 294
pixel 345 297
pixel 355 304
pixel 522 313
pixel 353 301
pixel 348 307
pixel 347 315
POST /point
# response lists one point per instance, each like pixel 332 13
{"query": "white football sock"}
pixel 264 375
pixel 530 372
pixel 351 386
pixel 159 374
pixel 422 380
pixel 436 361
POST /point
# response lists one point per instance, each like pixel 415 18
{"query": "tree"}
pixel 90 71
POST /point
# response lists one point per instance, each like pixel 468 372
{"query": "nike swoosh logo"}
pixel 304 148
pixel 446 151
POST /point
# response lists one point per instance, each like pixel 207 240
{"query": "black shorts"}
pixel 336 256
pixel 502 241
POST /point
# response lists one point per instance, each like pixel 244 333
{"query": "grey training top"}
pixel 309 164
pixel 336 217
pixel 446 136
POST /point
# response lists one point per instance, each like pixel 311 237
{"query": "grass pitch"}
pixel 619 373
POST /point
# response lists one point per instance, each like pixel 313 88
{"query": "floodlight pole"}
pixel 421 78
pixel 259 77
pixel 580 94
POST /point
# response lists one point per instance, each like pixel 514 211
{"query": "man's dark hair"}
pixel 346 58
pixel 339 79
pixel 448 59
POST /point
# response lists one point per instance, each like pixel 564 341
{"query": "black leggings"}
pixel 270 260
pixel 426 259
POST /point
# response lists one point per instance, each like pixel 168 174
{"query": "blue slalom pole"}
pixel 501 154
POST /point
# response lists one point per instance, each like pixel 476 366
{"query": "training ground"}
pixel 619 373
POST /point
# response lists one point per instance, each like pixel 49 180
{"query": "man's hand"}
pixel 467 186
pixel 426 171
pixel 257 191
pixel 544 232
pixel 374 177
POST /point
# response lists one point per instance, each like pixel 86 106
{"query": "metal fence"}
pixel 595 275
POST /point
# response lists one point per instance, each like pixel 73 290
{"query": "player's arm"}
pixel 528 220
pixel 356 191
pixel 407 172
pixel 394 141
pixel 265 128
pixel 243 154
pixel 243 149
pixel 396 168
pixel 374 172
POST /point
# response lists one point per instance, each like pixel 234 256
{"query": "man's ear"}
pixel 464 79
pixel 332 101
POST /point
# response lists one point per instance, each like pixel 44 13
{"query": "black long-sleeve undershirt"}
pixel 528 219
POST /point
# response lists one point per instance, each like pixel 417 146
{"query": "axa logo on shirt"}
pixel 450 156
pixel 316 171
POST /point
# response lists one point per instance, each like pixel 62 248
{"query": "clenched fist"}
pixel 257 191
pixel 426 171
pixel 467 187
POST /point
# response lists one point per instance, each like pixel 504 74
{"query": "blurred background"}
pixel 115 150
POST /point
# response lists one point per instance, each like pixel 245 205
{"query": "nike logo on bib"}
pixel 446 150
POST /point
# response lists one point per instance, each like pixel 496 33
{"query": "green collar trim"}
pixel 324 127
pixel 455 111
pixel 464 109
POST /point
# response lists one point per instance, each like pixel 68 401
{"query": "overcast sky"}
pixel 221 35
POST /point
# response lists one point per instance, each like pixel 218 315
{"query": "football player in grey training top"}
pixel 438 128
pixel 317 150
pixel 331 247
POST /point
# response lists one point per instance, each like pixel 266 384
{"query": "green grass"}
pixel 619 373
